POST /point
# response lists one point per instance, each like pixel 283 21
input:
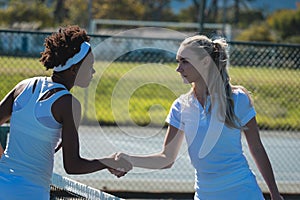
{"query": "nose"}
pixel 179 68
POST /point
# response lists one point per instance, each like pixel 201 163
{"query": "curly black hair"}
pixel 62 45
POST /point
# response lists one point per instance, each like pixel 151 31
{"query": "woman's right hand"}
pixel 118 165
pixel 121 155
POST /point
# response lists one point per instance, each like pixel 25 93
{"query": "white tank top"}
pixel 34 134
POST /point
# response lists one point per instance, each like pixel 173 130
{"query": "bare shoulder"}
pixel 239 89
pixel 66 108
pixel 67 101
pixel 20 87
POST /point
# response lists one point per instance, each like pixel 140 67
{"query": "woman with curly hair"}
pixel 43 113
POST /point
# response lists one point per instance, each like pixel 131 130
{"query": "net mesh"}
pixel 66 188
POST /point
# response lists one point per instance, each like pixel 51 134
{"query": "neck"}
pixel 200 93
pixel 63 79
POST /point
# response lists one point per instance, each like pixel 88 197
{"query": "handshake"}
pixel 119 164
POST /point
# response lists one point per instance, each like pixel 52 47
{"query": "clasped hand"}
pixel 121 165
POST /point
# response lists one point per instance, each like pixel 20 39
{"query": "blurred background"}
pixel 135 43
pixel 272 21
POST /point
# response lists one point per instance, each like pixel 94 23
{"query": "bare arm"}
pixel 67 110
pixel 1 150
pixel 261 158
pixel 5 111
pixel 6 105
pixel 165 158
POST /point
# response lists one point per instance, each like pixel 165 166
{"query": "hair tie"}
pixel 84 49
pixel 216 46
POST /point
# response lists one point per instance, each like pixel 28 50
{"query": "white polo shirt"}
pixel 219 162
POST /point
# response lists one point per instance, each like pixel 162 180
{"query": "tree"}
pixel 257 32
pixel 29 12
pixel 77 13
pixel 248 17
pixel 158 10
pixel 118 9
pixel 285 22
pixel 60 12
pixel 213 10
pixel 237 9
pixel 189 14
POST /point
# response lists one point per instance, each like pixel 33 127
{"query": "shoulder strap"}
pixel 50 89
pixel 54 96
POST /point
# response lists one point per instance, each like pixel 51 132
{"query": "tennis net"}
pixel 63 188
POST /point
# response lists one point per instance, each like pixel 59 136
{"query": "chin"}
pixel 83 85
pixel 185 81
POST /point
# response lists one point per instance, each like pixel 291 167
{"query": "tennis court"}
pixel 139 184
pixel 180 178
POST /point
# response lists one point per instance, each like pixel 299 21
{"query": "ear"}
pixel 74 69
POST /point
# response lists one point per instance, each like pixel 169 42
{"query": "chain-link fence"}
pixel 134 86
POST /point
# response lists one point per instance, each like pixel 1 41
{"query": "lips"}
pixel 184 76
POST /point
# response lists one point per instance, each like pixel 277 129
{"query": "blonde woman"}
pixel 212 117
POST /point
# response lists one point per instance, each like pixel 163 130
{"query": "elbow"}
pixel 70 170
pixel 169 160
pixel 72 167
pixel 168 166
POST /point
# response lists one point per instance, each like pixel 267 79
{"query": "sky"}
pixel 266 5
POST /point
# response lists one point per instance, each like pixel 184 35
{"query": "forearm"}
pixel 165 158
pixel 154 161
pixel 85 166
pixel 263 163
pixel 261 158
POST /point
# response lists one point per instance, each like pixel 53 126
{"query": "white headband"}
pixel 84 49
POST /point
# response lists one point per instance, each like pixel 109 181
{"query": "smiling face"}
pixel 85 72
